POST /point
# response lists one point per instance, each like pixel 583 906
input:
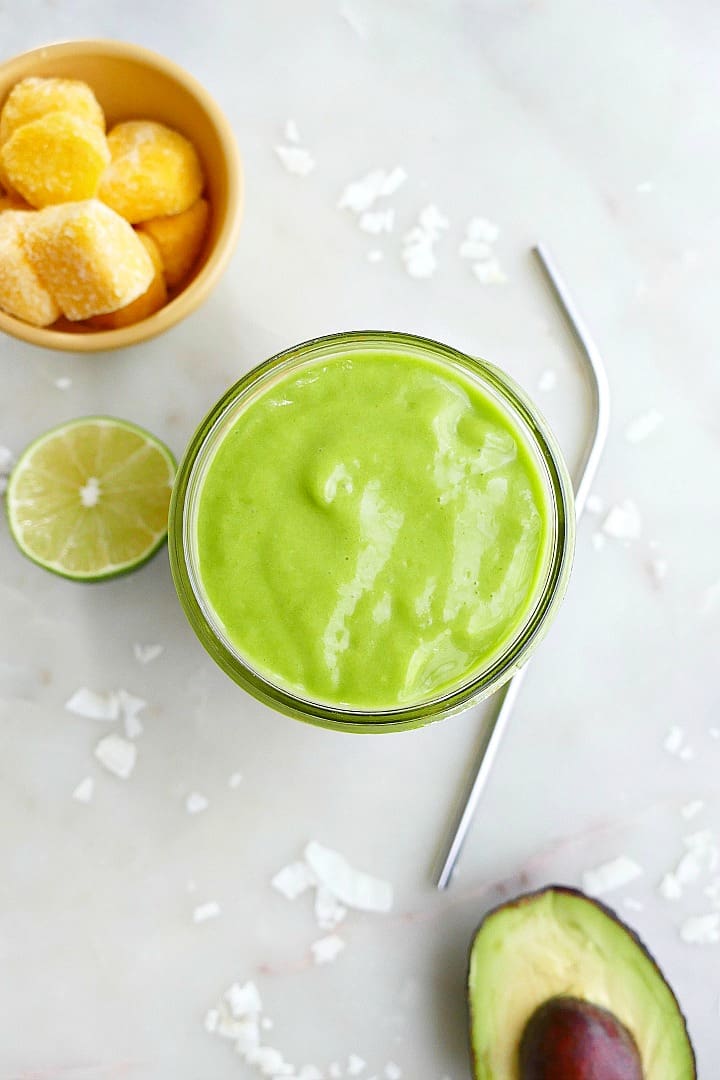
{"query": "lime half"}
pixel 89 499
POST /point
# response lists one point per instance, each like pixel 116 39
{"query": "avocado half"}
pixel 559 943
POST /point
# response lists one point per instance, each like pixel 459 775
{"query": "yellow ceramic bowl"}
pixel 131 82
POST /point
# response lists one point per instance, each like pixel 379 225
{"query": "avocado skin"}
pixel 524 899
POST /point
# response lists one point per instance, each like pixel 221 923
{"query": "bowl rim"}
pixel 190 298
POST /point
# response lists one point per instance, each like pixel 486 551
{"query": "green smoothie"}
pixel 372 530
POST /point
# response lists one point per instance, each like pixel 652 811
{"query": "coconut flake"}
pixel 7 462
pixel 623 521
pixel 353 20
pixel 292 132
pixel 670 888
pixel 479 228
pixel 327 949
pixel 594 504
pixel 243 1000
pixel 270 1062
pixel 392 1071
pixel 247 1036
pixel 393 180
pixel 130 707
pixel 377 221
pixel 83 793
pixel 355 1065
pixel 477 250
pixel 293 880
pixel 643 426
pixel 209 910
pixel 309 1072
pixel 94 706
pixel 692 809
pixel 235 780
pixel 328 912
pixel 674 739
pixel 359 195
pixel 352 887
pixel 117 755
pixel 701 929
pixel 296 159
pixel 489 273
pixel 611 875
pixel 195 803
pixel 145 654
pixel 547 381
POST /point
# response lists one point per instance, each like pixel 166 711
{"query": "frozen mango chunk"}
pixel 91 260
pixel 154 171
pixel 147 304
pixel 13 202
pixel 180 239
pixel 57 158
pixel 22 292
pixel 35 97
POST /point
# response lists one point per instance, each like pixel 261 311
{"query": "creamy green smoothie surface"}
pixel 372 530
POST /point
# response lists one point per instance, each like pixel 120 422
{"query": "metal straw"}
pixel 584 477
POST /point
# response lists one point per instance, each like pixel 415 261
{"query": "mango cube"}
pixel 13 202
pixel 57 158
pixel 180 239
pixel 154 171
pixel 91 260
pixel 22 293
pixel 147 304
pixel 34 97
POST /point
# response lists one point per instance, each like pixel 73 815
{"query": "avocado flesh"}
pixel 558 941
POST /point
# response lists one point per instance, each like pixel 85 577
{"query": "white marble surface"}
pixel 593 127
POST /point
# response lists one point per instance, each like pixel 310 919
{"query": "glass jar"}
pixel 538 442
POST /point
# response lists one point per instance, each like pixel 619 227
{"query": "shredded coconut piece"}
pixel 547 381
pixel 360 195
pixel 594 504
pixel 475 249
pixel 130 706
pixel 293 880
pixel 392 1071
pixel 377 221
pixel 212 1019
pixel 7 461
pixel 270 1062
pixel 327 949
pixel 353 20
pixel 355 1065
pixel 674 739
pixel 623 521
pixel 93 706
pixel 196 803
pixel 209 910
pixel 145 654
pixel 658 569
pixel 611 875
pixel 643 426
pixel 489 273
pixel 352 887
pixel 296 159
pixel 701 929
pixel 670 888
pixel 83 793
pixel 117 755
pixel 90 492
pixel 292 132
pixel 479 228
pixel 243 1000
pixel 692 809
pixel 418 244
pixel 328 912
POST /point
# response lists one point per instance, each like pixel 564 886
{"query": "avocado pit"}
pixel 567 1038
